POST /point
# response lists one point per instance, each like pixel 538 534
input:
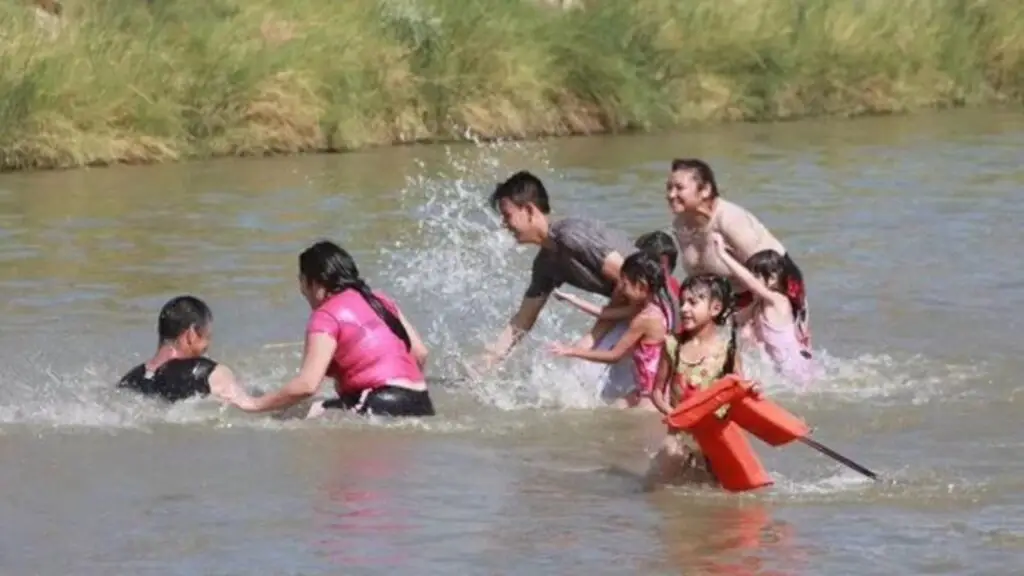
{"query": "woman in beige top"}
pixel 700 212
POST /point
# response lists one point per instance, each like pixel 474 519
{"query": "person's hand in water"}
pixel 476 368
pixel 563 350
pixel 562 296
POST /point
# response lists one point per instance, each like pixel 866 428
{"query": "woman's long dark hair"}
pixel 331 267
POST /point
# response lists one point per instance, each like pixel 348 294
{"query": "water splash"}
pixel 461 267
pixel 466 276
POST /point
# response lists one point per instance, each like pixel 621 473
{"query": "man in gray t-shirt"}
pixel 577 251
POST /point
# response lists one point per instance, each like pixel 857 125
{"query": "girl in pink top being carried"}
pixel 777 319
pixel 359 338
pixel 642 283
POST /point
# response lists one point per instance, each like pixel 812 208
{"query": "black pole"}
pixel 838 457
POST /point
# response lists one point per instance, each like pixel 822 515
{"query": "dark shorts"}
pixel 393 401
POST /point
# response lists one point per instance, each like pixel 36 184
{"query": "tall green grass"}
pixel 130 82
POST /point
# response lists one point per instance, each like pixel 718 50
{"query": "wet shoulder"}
pixel 574 226
pixel 730 214
pixel 577 231
pixel 749 233
pixel 198 368
pixel 345 307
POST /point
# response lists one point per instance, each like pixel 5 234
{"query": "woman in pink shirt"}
pixel 359 338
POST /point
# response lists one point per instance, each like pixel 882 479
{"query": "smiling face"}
pixel 684 191
pixel 698 309
pixel 524 222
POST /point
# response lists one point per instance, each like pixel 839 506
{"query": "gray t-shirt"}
pixel 581 246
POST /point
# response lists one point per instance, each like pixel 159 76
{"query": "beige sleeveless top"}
pixel 747 236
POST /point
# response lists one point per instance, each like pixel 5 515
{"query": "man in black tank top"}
pixel 179 369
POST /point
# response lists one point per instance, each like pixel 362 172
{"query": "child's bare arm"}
pixel 638 328
pixel 659 395
pixel 611 311
pixel 758 288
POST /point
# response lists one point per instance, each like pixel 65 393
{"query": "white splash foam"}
pixel 840 482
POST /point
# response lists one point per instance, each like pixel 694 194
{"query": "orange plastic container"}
pixel 733 461
pixel 767 420
pixel 705 403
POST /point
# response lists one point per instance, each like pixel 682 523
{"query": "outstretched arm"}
pixel 611 311
pixel 611 267
pixel 659 395
pixel 637 328
pixel 316 358
pixel 224 386
pixel 737 365
pixel 520 324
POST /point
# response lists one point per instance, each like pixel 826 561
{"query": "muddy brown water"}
pixel 908 230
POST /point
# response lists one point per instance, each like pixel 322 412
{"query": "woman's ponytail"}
pixel 389 318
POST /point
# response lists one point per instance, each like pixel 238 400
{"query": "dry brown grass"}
pixel 128 82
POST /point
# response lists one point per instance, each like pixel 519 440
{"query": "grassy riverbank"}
pixel 129 82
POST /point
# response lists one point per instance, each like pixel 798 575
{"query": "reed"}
pixel 133 81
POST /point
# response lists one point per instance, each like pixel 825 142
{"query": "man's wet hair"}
pixel 180 314
pixel 522 189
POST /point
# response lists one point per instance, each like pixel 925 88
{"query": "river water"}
pixel 907 230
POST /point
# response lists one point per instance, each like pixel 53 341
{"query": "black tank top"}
pixel 175 380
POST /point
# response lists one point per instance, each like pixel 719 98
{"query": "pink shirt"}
pixel 647 355
pixel 369 354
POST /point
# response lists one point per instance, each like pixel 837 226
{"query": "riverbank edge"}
pixel 470 138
